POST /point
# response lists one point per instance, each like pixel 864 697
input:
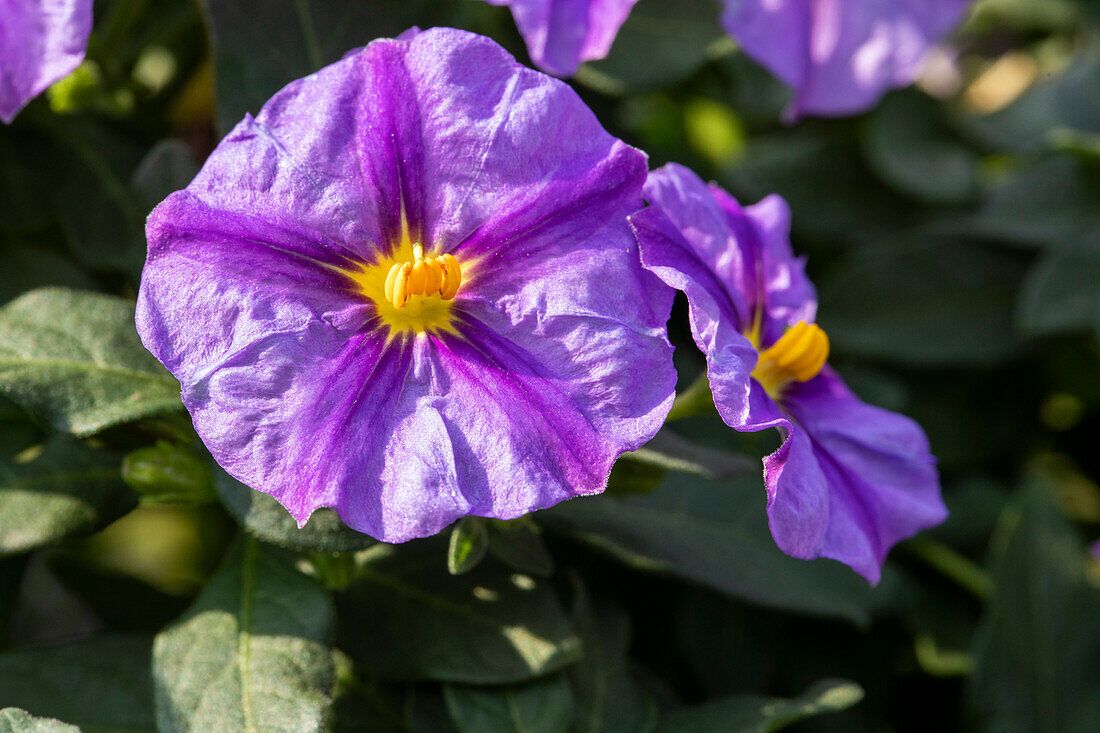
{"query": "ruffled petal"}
pixel 562 34
pixel 882 478
pixel 41 41
pixel 840 56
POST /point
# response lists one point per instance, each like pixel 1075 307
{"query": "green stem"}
pixel 965 573
pixel 695 400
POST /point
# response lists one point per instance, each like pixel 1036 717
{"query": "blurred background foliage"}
pixel 953 232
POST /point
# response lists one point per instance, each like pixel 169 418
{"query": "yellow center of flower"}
pixel 798 356
pixel 412 293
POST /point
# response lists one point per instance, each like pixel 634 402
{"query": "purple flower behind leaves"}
pixel 407 289
pixel 850 480
pixel 41 41
pixel 563 34
pixel 840 56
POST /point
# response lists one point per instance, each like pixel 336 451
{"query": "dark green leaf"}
pixel 14 720
pixel 26 267
pixel 266 518
pixel 101 685
pixel 906 142
pixel 755 714
pixel 407 617
pixel 169 473
pixel 1039 645
pixel 61 489
pixel 1062 293
pixel 661 42
pixel 518 544
pixel 468 545
pixel 251 654
pixel 543 706
pixel 714 533
pixel 74 359
pixel 607 698
pixel 922 300
pixel 168 167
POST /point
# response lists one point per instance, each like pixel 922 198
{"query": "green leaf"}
pixel 251 654
pixel 266 518
pixel 543 706
pixel 1062 293
pixel 1039 642
pixel 169 473
pixel 168 166
pixel 407 617
pixel 518 544
pixel 756 714
pixel 607 698
pixel 58 490
pixel 102 685
pixel 923 300
pixel 14 720
pixel 661 42
pixel 468 545
pixel 74 359
pixel 714 533
pixel 907 143
pixel 26 266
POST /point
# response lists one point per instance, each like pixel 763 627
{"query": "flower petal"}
pixel 40 42
pixel 840 55
pixel 883 484
pixel 562 34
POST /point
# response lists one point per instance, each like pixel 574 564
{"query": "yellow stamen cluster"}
pixel 423 276
pixel 798 356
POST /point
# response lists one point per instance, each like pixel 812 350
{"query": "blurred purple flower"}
pixel 840 56
pixel 850 480
pixel 563 34
pixel 407 289
pixel 41 41
pixel 1096 549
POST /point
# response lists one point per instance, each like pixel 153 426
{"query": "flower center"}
pixel 798 356
pixel 411 292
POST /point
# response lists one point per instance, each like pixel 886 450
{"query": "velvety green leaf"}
pixel 102 685
pixel 266 518
pixel 74 359
pixel 608 700
pixel 714 533
pixel 518 544
pixel 1062 293
pixel 408 618
pixel 755 714
pixel 923 300
pixel 14 720
pixel 668 451
pixel 542 706
pixel 661 42
pixel 251 654
pixel 1039 645
pixel 60 490
pixel 468 545
pixel 906 142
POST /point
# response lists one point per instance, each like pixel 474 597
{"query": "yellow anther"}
pixel 799 355
pixel 400 294
pixel 452 276
pixel 423 276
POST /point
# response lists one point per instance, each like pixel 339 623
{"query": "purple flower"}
pixel 562 34
pixel 840 55
pixel 850 480
pixel 497 374
pixel 41 41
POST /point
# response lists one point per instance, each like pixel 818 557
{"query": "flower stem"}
pixel 964 572
pixel 695 400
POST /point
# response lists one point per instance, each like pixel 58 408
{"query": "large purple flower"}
pixel 840 56
pixel 850 480
pixel 562 34
pixel 40 42
pixel 407 289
